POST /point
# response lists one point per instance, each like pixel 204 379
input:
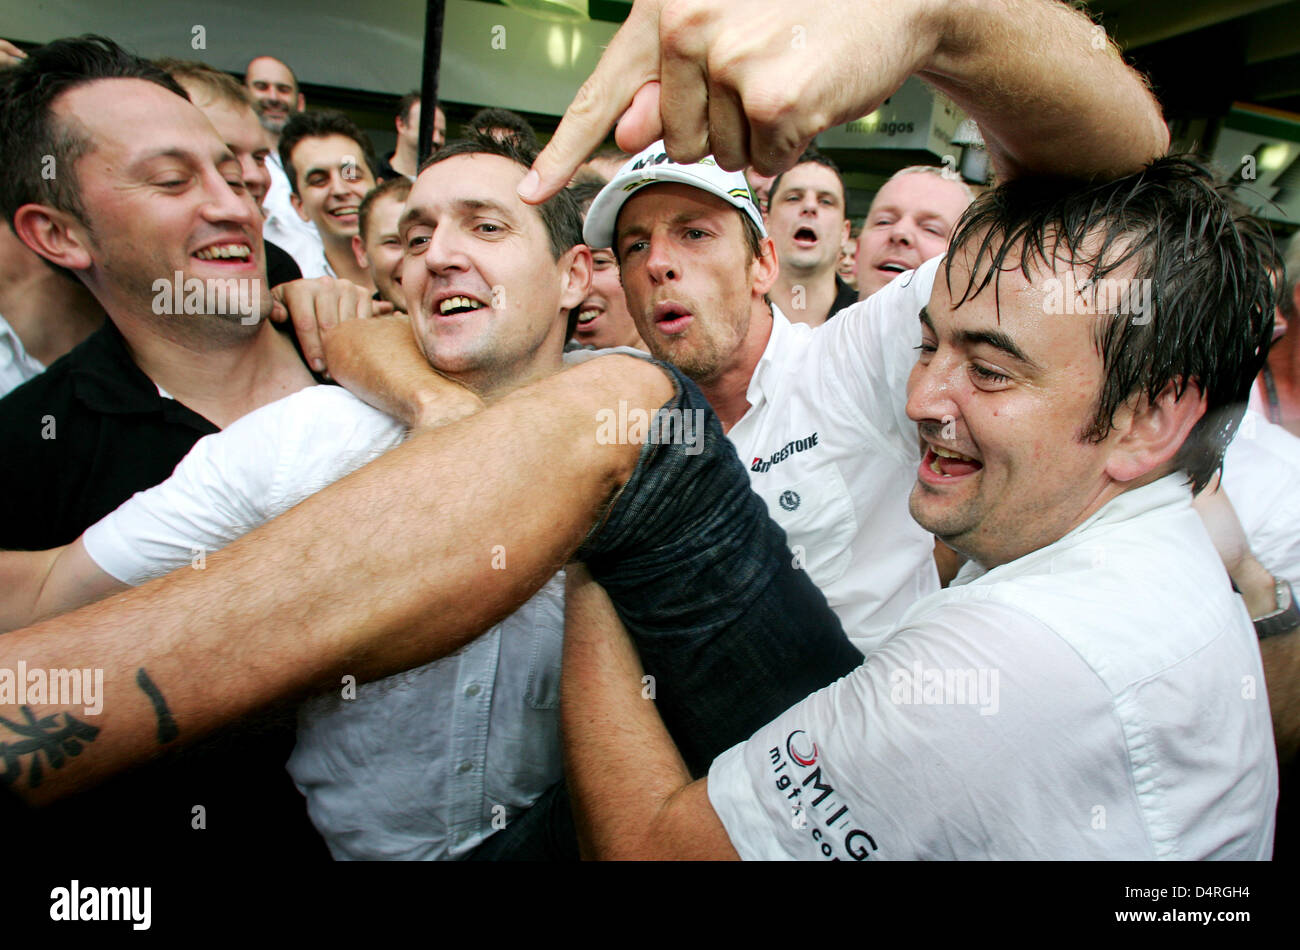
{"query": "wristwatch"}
pixel 1284 618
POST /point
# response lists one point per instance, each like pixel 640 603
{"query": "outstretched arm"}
pixel 366 578
pixel 753 83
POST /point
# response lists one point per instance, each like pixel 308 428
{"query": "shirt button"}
pixel 465 766
pixel 472 689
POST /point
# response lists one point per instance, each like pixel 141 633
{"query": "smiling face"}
pixel 910 221
pixel 162 194
pixel 332 179
pixel 488 302
pixel 688 276
pixel 806 219
pixel 380 250
pixel 603 320
pixel 274 90
pixel 1003 402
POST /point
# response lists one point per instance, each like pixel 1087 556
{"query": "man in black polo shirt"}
pixel 147 207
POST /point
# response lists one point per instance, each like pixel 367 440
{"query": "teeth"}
pixel 224 251
pixel 934 467
pixel 893 268
pixel 588 315
pixel 951 455
pixel 454 303
pixel 343 212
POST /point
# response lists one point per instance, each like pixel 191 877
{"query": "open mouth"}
pixel 946 463
pixel 671 318
pixel 805 237
pixel 891 267
pixel 460 304
pixel 348 213
pixel 239 253
pixel 587 316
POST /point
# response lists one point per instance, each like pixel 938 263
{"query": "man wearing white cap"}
pixel 697 276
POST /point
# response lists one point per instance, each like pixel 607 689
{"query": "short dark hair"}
pixel 29 130
pixel 320 124
pixel 1210 268
pixel 406 103
pixel 584 188
pixel 812 156
pixel 559 213
pixel 398 188
pixel 485 120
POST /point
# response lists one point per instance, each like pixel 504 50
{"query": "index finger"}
pixel 629 62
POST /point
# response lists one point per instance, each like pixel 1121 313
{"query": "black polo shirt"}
pixel 77 441
pixel 81 438
pixel 845 296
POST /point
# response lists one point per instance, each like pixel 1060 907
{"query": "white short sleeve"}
pixel 236 479
pixel 978 735
pixel 870 348
pixel 1261 474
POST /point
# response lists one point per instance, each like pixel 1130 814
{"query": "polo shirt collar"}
pixel 107 380
pixel 779 342
pixel 1169 492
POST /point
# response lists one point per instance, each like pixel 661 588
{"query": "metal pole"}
pixel 433 13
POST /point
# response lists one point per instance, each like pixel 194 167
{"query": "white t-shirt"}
pixel 1099 698
pixel 421 765
pixel 1261 474
pixel 830 450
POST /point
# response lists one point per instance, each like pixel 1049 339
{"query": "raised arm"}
pixel 753 83
pixel 365 578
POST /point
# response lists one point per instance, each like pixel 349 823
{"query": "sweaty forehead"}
pixel 922 195
pixel 671 201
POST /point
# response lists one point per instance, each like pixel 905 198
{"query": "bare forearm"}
pixel 1049 91
pixel 391 567
pixel 631 792
pixel 22 574
pixel 1281 655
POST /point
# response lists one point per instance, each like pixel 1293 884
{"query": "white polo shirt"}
pixel 830 450
pixel 1099 698
pixel 421 765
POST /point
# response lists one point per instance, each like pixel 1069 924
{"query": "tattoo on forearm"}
pixel 43 736
pixel 167 728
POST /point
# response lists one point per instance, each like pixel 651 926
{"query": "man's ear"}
pixel 55 235
pixel 297 206
pixel 766 267
pixel 848 230
pixel 302 102
pixel 575 276
pixel 1154 431
pixel 359 252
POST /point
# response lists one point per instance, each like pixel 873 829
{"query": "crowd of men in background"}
pixel 139 444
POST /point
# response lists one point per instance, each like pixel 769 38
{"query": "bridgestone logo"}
pixel 783 453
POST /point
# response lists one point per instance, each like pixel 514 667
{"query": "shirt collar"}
pixel 781 339
pixel 1169 492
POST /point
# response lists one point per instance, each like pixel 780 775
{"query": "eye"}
pixel 487 227
pixel 936 230
pixel 696 234
pixel 926 349
pixel 416 241
pixel 984 374
pixel 634 248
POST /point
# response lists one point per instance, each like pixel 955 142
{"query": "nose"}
pixel 659 263
pixel 442 254
pixel 931 391
pixel 225 205
pixel 901 233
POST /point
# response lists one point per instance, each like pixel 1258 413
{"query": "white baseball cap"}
pixel 654 167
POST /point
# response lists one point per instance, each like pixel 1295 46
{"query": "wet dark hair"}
pixel 560 214
pixel 29 130
pixel 1209 264
pixel 319 124
pixel 516 126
